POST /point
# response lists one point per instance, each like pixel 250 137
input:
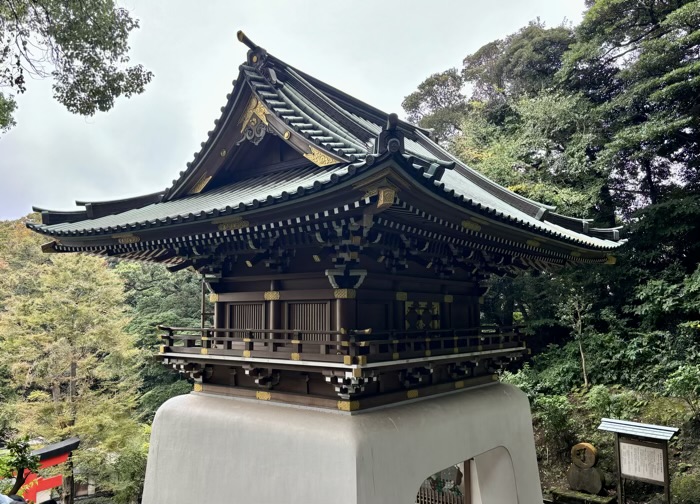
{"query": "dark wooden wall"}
pixel 319 310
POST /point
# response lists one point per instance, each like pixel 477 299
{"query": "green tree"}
pixel 156 296
pixel 57 309
pixel 19 247
pixel 545 151
pixel 521 130
pixel 575 310
pixel 438 104
pixel 498 73
pixel 17 463
pixel 684 383
pixel 71 363
pixel 640 62
pixel 82 45
pixel 7 107
pixel 522 64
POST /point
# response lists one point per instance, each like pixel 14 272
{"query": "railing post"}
pixel 167 339
pixel 248 344
pixel 206 341
pixel 296 343
pixel 353 349
pixel 393 345
pixel 228 344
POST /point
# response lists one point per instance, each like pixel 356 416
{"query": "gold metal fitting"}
pixel 348 405
pixel 126 238
pixel 344 293
pixel 471 225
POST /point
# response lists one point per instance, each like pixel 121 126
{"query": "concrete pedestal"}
pixel 222 450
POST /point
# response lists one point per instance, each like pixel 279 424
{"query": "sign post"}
pixel 641 451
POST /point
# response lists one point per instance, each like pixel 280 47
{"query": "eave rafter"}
pixel 419 190
pixel 378 227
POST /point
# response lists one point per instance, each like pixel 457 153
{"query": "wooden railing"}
pixel 429 495
pixel 353 347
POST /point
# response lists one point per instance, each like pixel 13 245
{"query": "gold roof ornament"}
pixel 254 111
pixel 320 158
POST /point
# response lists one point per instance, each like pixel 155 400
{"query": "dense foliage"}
pixel 601 120
pixel 15 463
pixel 77 339
pixel 82 45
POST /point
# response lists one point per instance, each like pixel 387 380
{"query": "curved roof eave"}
pixel 315 184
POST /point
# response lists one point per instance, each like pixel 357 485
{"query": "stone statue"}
pixel 582 474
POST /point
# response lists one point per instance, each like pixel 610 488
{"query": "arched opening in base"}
pixel 488 478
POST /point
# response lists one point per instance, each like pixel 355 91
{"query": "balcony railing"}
pixel 360 347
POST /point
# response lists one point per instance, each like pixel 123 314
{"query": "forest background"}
pixel 601 120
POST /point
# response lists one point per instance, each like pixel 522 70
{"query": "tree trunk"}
pixel 508 309
pixel 649 178
pixel 19 481
pixel 579 337
pixel 68 483
pixel 68 480
pixel 583 364
pixel 606 210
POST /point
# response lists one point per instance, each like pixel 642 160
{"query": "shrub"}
pixel 599 401
pixel 684 383
pixel 664 411
pixel 524 379
pixel 685 488
pixel 554 415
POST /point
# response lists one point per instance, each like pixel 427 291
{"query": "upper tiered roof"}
pixel 324 141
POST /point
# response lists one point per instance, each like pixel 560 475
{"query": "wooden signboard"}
pixel 642 461
pixel 641 451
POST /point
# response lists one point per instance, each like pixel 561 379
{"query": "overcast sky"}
pixel 376 51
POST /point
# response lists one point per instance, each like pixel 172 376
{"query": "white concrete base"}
pixel 222 450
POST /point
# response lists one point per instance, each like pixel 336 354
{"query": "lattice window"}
pixel 309 316
pixel 246 316
pixel 422 315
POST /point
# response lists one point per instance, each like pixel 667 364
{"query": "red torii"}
pixel 49 456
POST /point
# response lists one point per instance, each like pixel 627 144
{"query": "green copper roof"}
pixel 340 125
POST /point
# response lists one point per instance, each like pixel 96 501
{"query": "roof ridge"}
pixel 326 88
pixel 330 102
pixel 293 109
pixel 490 185
pixel 354 141
pixel 120 200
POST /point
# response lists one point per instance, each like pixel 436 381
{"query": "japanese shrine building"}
pixel 345 251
